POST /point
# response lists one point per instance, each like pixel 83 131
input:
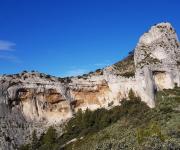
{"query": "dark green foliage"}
pixel 175 85
pixel 99 72
pixel 131 95
pixel 153 130
pixel 128 74
pixel 91 72
pixel 178 62
pixel 133 108
pixel 126 67
pixel 24 71
pixel 90 122
pixel 24 147
pixel 86 123
pixel 47 141
pixel 35 142
pixel 48 76
pixel 131 52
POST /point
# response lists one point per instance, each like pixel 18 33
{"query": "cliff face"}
pixel 30 99
pixel 53 100
pixel 156 59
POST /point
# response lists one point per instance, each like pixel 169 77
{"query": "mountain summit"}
pixel 32 100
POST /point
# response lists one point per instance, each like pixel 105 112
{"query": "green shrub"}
pixel 50 136
pixel 35 141
pixel 24 147
pixel 153 130
pixel 131 95
pixel 47 141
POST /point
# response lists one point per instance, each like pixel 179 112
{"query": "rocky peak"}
pixel 157 32
pixel 156 58
pixel 158 47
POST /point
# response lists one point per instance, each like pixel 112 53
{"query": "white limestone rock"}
pixel 159 47
pixel 158 52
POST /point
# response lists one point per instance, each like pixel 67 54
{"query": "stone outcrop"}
pixel 31 99
pixel 157 57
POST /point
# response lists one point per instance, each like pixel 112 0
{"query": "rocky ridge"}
pixel 34 100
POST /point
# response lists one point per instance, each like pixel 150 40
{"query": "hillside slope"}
pixel 130 126
pixel 158 128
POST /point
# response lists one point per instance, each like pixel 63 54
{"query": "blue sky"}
pixel 70 37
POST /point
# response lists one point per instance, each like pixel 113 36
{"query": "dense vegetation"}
pixel 129 126
pixel 126 66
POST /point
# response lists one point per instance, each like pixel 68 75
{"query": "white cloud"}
pixel 101 64
pixel 6 48
pixel 10 58
pixel 6 45
pixel 76 72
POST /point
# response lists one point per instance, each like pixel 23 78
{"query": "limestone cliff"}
pixel 156 59
pixel 30 99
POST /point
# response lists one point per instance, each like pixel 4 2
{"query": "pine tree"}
pixel 35 141
pixel 131 95
pixel 50 136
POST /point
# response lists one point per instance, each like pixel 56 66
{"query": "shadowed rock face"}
pixel 34 100
pixel 49 95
